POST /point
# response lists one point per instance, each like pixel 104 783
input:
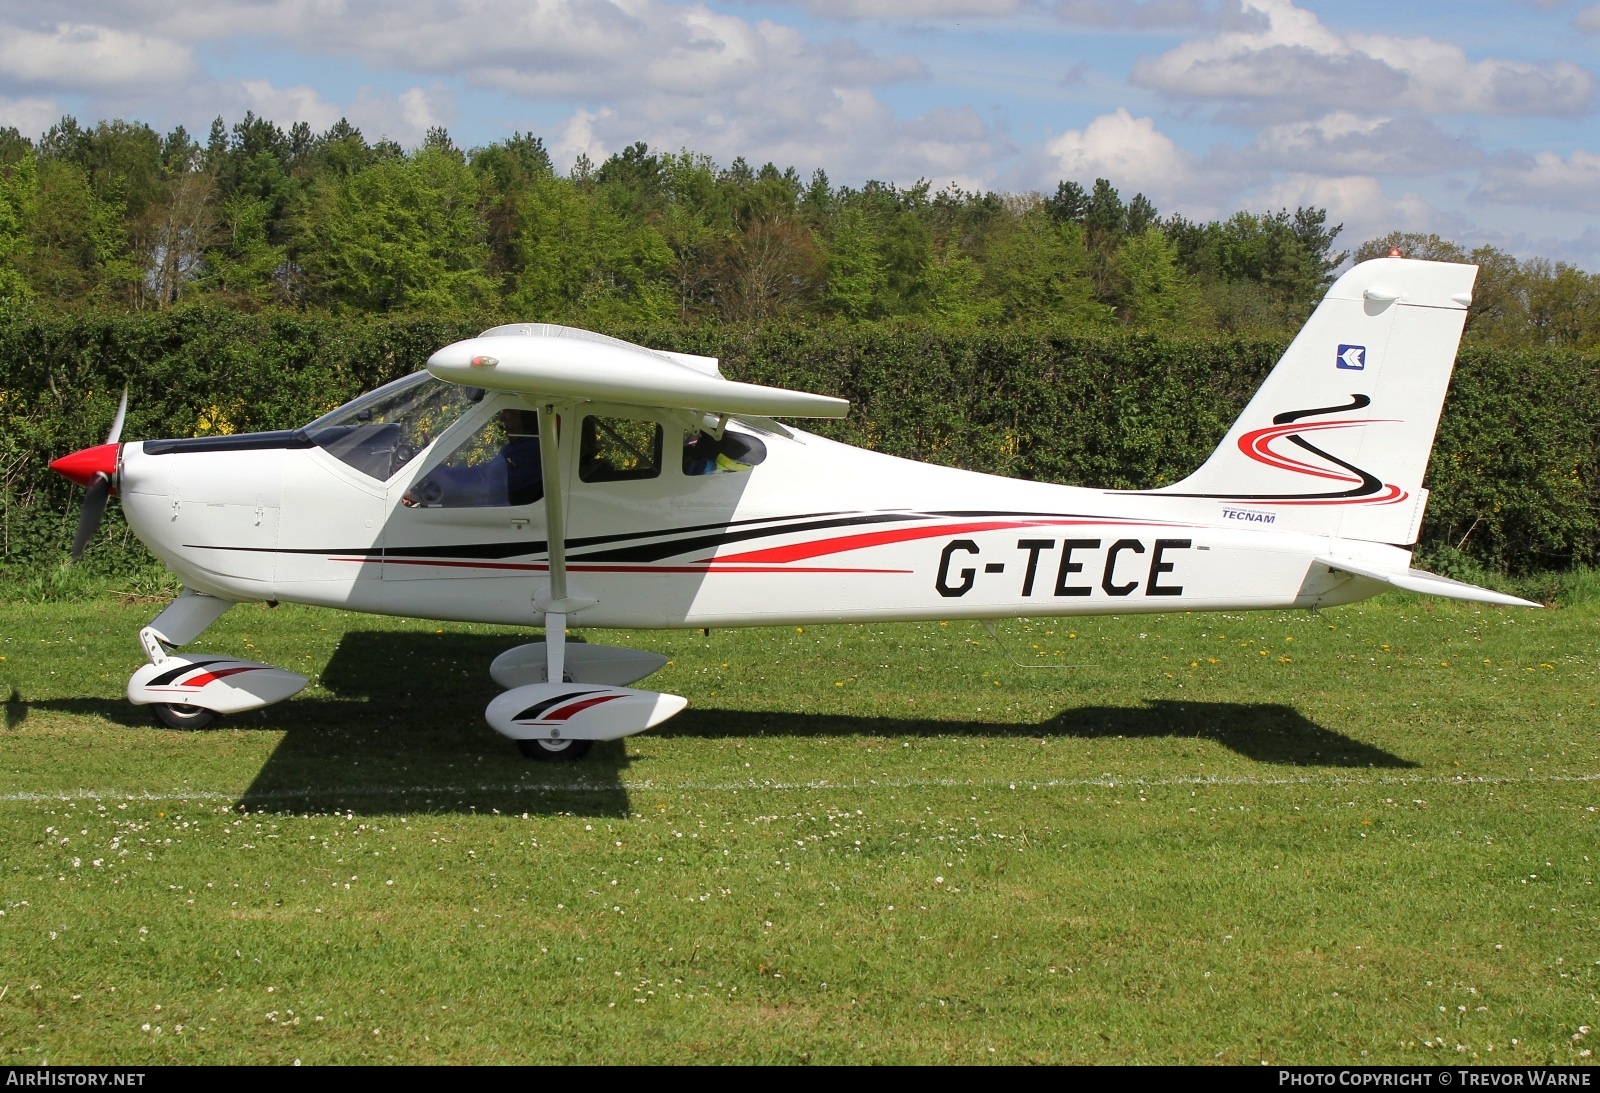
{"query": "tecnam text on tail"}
pixel 544 476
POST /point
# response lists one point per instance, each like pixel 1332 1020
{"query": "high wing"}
pixel 556 367
pixel 558 362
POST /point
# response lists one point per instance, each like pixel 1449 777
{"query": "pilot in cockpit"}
pixel 499 465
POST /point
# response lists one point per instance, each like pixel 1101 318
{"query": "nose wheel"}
pixel 175 715
pixel 555 751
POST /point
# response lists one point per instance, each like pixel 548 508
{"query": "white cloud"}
pixel 287 105
pixel 1343 143
pixel 1546 179
pixel 913 9
pixel 578 138
pixel 1118 13
pixel 1280 54
pixel 405 117
pixel 1096 13
pixel 669 73
pixel 1588 20
pixel 1356 201
pixel 82 56
pixel 29 116
pixel 1131 152
pixel 849 131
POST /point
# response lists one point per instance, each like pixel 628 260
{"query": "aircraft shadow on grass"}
pixel 401 730
pixel 1265 732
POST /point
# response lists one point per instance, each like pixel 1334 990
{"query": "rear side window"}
pixel 704 453
pixel 619 449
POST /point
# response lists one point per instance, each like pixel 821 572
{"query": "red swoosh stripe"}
pixel 799 551
pixel 544 567
pixel 207 677
pixel 1257 445
pixel 1391 495
pixel 564 713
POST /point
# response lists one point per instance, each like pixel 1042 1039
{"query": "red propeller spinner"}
pixel 81 467
pixel 96 469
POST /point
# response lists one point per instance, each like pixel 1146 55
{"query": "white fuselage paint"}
pixel 819 532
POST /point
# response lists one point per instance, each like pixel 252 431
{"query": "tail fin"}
pixel 1337 439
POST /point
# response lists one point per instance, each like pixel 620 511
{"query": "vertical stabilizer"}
pixel 1337 439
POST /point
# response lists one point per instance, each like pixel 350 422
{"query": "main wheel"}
pixel 555 751
pixel 175 715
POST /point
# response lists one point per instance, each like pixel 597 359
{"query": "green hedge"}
pixel 1512 474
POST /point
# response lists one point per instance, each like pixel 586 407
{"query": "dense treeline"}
pixel 1514 474
pixel 254 218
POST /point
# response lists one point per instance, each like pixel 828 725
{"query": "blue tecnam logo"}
pixel 1353 357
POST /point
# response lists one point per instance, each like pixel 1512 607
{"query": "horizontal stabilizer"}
pixel 1428 584
pixel 607 370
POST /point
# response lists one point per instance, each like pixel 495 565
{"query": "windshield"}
pixel 383 430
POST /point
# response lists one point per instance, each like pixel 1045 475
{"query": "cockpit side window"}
pixel 499 465
pixel 383 430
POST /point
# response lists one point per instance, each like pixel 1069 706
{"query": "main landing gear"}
pixel 555 751
pixel 184 718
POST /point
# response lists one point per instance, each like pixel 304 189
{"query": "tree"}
pixel 1428 247
pixel 771 267
pixel 17 182
pixel 1161 296
pixel 1070 203
pixel 174 236
pixel 1259 271
pixel 1035 268
pixel 76 252
pixel 579 261
pixel 955 290
pixel 402 235
pixel 244 269
pixel 856 277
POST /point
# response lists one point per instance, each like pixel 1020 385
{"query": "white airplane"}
pixel 539 475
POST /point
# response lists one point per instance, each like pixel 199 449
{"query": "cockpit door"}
pixel 464 533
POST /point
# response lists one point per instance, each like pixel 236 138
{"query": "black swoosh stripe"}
pixel 655 552
pixel 507 549
pixel 167 677
pixel 1369 484
pixel 1357 402
pixel 540 707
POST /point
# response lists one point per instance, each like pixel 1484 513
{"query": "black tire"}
pixel 183 718
pixel 555 751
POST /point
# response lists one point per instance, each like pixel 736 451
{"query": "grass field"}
pixel 1362 836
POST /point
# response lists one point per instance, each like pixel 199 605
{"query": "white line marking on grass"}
pixel 724 787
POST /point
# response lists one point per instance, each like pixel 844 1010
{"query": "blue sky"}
pixel 1473 119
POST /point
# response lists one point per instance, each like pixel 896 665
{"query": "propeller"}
pixel 96 469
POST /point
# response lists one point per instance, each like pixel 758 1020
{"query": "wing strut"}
pixel 553 601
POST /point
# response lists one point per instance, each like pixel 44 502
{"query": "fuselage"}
pixel 813 532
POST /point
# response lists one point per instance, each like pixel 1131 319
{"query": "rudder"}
pixel 1337 439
